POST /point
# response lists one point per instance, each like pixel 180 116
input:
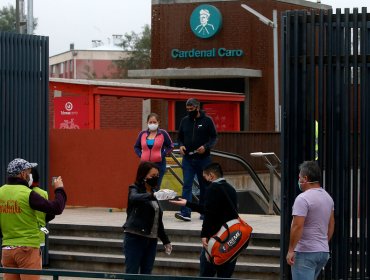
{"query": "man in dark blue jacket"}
pixel 197 136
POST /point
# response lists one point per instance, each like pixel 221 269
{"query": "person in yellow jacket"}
pixel 18 220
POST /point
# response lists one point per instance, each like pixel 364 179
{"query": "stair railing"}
pixel 265 193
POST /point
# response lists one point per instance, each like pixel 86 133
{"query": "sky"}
pixel 81 21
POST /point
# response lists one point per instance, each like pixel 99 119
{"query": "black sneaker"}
pixel 182 217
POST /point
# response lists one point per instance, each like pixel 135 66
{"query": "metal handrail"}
pixel 246 166
pixel 269 163
pixel 252 173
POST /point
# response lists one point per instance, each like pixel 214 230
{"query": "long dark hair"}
pixel 143 170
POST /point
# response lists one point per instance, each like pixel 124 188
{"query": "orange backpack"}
pixel 227 244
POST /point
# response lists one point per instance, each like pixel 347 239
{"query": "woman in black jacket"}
pixel 144 223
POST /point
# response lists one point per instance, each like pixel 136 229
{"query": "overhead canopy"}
pixel 93 87
pixel 195 73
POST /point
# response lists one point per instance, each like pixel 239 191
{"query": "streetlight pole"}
pixel 17 18
pixel 30 17
pixel 274 25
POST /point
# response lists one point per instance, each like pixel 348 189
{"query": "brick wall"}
pixel 120 112
pixel 240 30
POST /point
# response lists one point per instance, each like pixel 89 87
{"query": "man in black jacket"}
pixel 197 136
pixel 217 211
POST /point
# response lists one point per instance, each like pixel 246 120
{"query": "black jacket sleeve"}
pixel 195 207
pixel 161 232
pixel 136 196
pixel 212 134
pixel 53 207
pixel 180 136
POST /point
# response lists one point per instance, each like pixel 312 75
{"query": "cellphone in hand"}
pixel 53 180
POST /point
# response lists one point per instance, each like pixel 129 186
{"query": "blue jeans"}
pixel 162 166
pixel 209 270
pixel 307 266
pixel 190 168
pixel 139 253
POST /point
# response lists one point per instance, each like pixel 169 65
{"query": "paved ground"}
pixel 116 217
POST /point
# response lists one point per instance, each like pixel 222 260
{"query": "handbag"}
pixel 232 238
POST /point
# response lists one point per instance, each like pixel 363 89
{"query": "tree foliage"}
pixel 139 48
pixel 8 19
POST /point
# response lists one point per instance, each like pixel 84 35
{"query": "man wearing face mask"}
pixel 312 226
pixel 18 221
pixel 197 136
pixel 217 211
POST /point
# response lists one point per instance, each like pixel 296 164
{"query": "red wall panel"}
pixel 97 166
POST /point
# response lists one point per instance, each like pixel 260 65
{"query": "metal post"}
pixel 271 193
pixel 274 25
pixel 17 18
pixel 276 70
pixel 30 17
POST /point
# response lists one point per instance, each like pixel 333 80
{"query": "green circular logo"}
pixel 205 21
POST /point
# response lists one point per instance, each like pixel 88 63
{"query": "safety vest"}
pixel 18 220
pixel 41 215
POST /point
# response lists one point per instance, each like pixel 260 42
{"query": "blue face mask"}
pixel 299 186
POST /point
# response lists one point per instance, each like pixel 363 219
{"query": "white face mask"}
pixel 153 126
pixel 30 181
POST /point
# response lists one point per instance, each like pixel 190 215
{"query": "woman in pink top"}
pixel 153 144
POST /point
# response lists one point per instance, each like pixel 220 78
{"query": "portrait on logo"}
pixel 205 21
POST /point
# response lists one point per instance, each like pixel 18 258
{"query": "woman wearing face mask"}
pixel 153 144
pixel 144 223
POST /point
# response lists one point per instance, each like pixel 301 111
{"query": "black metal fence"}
pixel 326 77
pixel 24 118
pixel 24 81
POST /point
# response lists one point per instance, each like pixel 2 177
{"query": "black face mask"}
pixel 193 114
pixel 207 182
pixel 153 182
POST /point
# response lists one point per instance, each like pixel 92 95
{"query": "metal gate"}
pixel 326 78
pixel 24 116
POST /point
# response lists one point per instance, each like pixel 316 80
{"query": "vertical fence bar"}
pixel 363 187
pixel 285 54
pixel 355 157
pixel 321 100
pixel 367 143
pixel 345 132
pixel 329 164
pixel 311 82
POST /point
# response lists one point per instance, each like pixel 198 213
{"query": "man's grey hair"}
pixel 310 169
